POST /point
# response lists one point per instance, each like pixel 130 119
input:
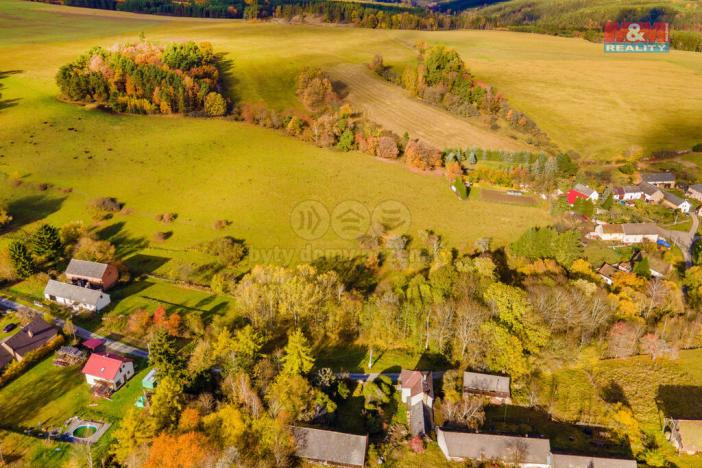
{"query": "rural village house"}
pixel 108 370
pixel 417 392
pixel 651 193
pixel 497 387
pixel 628 193
pixel 92 274
pixel 578 461
pixel 519 451
pixel 695 191
pixel 659 179
pixel 673 201
pixel 526 452
pixel 330 447
pixel 583 192
pixel 606 272
pixel 627 233
pixel 76 297
pixel 30 338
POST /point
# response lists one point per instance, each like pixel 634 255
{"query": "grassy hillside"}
pixel 579 15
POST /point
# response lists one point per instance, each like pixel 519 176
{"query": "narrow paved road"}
pixel 684 240
pixel 84 334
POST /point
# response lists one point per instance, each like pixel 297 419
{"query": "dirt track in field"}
pixel 393 108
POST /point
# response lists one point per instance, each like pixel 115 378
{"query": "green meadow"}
pixel 209 170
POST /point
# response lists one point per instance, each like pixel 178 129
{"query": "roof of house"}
pixel 86 269
pixel 608 270
pixel 578 461
pixel 330 446
pixel 417 381
pixel 573 195
pixel 74 293
pixel 32 336
pixel 690 431
pixel 646 229
pixel 468 445
pixel 649 189
pixel 93 343
pixel 486 382
pixel 658 177
pixel 584 189
pixel 418 419
pixel 672 198
pixel 104 366
pixel 5 357
pixel 696 188
pixel 621 191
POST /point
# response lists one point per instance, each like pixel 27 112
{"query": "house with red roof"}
pixel 417 392
pixel 581 191
pixel 107 372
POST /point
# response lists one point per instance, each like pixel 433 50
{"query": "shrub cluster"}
pixel 145 78
pixel 16 368
pixel 440 77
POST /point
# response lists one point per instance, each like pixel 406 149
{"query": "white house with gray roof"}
pixel 591 194
pixel 673 201
pixel 76 297
pixel 660 179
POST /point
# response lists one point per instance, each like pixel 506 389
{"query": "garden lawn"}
pixel 45 397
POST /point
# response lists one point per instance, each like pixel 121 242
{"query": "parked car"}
pixel 9 327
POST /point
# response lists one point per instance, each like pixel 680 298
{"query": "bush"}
pixel 422 155
pixel 697 148
pixel 229 251
pixel 16 368
pixel 215 105
pixel 106 204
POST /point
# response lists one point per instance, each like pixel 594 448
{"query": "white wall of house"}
pixel 103 301
pixel 126 372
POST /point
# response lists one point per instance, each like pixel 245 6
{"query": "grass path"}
pixel 393 108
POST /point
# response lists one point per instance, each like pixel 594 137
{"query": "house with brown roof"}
pixel 417 392
pixel 31 337
pixel 330 447
pixel 496 387
pixel 606 272
pixel 651 193
pixel 526 452
pixel 92 274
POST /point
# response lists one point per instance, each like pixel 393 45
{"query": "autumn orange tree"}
pixel 189 450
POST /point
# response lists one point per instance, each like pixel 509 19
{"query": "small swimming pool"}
pixel 85 431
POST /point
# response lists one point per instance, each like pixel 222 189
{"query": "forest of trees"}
pixel 533 306
pixel 147 78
